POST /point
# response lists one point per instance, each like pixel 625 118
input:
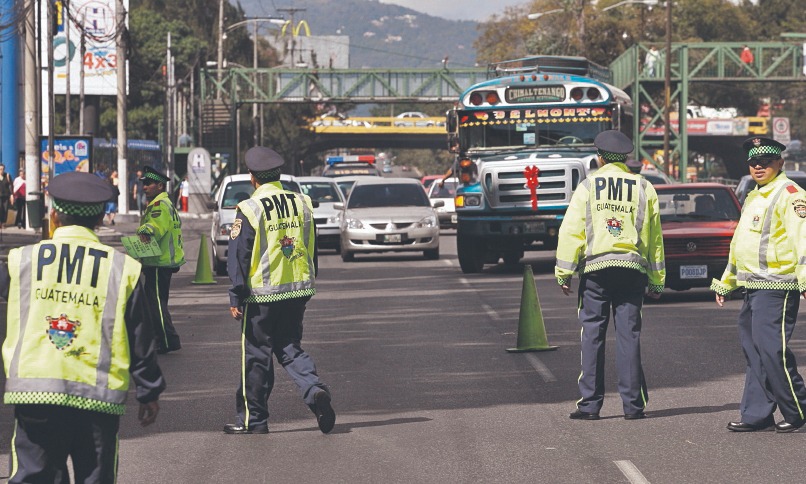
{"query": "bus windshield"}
pixel 519 129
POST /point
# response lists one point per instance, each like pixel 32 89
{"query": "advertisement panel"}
pixel 71 153
pixel 96 19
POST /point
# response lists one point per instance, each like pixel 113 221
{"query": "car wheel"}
pixel 346 256
pixel 431 254
pixel 471 256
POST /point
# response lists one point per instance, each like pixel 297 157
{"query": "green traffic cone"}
pixel 204 275
pixel 531 330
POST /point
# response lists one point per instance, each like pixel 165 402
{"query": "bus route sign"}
pixel 534 94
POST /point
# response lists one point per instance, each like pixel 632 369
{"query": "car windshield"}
pixel 321 192
pixel 447 190
pixel 693 204
pixel 387 195
pixel 236 192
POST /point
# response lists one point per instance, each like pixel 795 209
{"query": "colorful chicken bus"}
pixel 533 116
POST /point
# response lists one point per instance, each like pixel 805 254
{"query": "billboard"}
pixel 96 19
pixel 71 153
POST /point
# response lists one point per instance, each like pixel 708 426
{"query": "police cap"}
pixel 764 148
pixel 263 162
pixel 79 193
pixel 152 174
pixel 613 145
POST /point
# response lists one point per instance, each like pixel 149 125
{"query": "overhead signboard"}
pixel 96 20
pixel 71 153
pixel 780 130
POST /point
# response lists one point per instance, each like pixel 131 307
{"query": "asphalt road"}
pixel 414 352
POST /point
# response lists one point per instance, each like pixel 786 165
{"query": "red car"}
pixel 698 221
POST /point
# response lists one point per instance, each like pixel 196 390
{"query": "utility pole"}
pixel 81 53
pixel 122 38
pixel 220 46
pixel 51 107
pixel 291 11
pixel 667 87
pixel 67 106
pixel 255 121
pixel 31 93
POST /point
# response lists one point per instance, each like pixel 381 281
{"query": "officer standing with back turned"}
pixel 78 325
pixel 161 221
pixel 768 258
pixel 611 235
pixel 271 262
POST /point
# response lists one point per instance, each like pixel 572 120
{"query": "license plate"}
pixel 693 272
pixel 392 238
pixel 534 227
pixel 454 218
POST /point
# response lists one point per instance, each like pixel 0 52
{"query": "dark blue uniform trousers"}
pixel 621 290
pixel 45 435
pixel 273 328
pixel 766 322
pixel 158 288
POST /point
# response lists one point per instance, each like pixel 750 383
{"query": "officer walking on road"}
pixel 78 325
pixel 611 235
pixel 271 263
pixel 768 258
pixel 161 221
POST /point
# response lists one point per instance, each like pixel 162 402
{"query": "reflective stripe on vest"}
pixel 764 242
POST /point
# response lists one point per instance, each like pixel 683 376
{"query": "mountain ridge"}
pixel 382 35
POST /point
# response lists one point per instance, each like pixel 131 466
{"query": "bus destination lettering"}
pixel 534 94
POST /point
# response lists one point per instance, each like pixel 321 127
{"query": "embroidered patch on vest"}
pixel 791 189
pixel 287 246
pixel 157 203
pixel 756 220
pixel 614 226
pixel 61 331
pixel 800 207
pixel 236 229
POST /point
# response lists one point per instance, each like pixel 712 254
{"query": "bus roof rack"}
pixel 579 66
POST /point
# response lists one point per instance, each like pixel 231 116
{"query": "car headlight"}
pixel 353 223
pixel 224 229
pixel 470 200
pixel 333 219
pixel 428 222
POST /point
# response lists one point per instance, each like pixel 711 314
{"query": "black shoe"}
pixel 162 351
pixel 325 415
pixel 634 416
pixel 580 415
pixel 239 429
pixel 746 427
pixel 785 427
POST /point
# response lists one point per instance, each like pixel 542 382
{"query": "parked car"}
pixel 445 194
pixel 233 190
pixel 747 184
pixel 413 118
pixel 326 193
pixel 698 221
pixel 388 215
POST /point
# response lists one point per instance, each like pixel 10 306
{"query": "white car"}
pixel 326 192
pixel 413 118
pixel 388 215
pixel 445 194
pixel 233 189
pixel 346 183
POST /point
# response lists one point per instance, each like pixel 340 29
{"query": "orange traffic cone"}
pixel 531 330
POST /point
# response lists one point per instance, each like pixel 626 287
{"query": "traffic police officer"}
pixel 161 221
pixel 271 263
pixel 78 325
pixel 768 258
pixel 611 235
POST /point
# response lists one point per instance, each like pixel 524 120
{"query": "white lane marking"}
pixel 491 312
pixel 633 474
pixel 462 280
pixel 542 369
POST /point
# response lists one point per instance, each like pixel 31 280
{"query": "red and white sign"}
pixel 780 130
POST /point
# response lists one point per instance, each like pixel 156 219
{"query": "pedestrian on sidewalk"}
pixel 5 194
pixel 112 205
pixel 18 197
pixel 69 388
pixel 271 263
pixel 161 221
pixel 184 193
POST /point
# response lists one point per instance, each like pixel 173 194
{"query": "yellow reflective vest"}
pixel 613 220
pixel 282 265
pixel 768 249
pixel 67 342
pixel 161 221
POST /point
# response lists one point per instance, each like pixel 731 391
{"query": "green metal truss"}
pixel 690 63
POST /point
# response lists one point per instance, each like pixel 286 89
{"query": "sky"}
pixel 478 10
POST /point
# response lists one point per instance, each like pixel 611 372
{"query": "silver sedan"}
pixel 388 215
